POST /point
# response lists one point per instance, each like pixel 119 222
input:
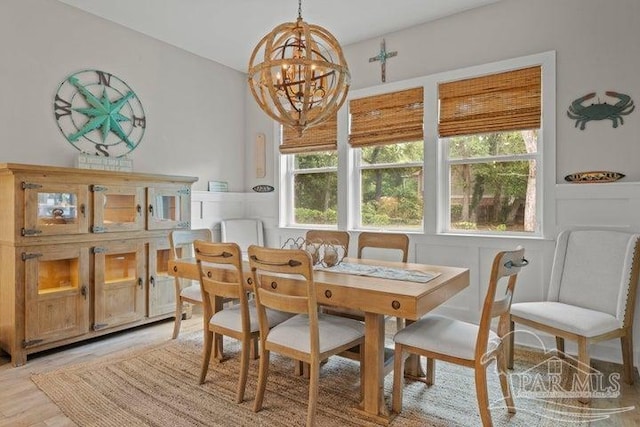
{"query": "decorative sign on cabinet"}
pixel 84 253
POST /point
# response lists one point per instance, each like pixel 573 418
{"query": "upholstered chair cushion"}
pixel 192 292
pixel 445 336
pixel 334 331
pixel 578 320
pixel 231 317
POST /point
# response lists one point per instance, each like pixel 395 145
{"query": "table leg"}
pixel 373 404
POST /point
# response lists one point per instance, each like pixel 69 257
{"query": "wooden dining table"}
pixel 377 298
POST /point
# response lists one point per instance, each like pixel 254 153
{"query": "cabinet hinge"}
pixel 99 250
pixel 97 229
pixel 29 343
pixel 96 188
pixel 184 224
pixel 30 186
pixel 30 232
pixel 25 255
pixel 98 326
pixel 185 191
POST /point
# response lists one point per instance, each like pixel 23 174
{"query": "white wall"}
pixel 195 108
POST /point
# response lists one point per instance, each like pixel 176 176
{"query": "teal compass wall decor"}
pixel 99 114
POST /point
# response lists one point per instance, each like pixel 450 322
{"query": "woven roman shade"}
pixel 498 102
pixel 390 118
pixel 322 137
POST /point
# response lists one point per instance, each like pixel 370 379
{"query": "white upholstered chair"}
pixel 243 231
pixel 309 336
pixel 591 293
pixel 462 343
pixel 181 243
pixel 221 277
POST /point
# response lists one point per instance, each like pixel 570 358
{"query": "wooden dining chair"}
pixel 462 343
pixel 221 277
pixel 181 243
pixel 591 297
pixel 333 237
pixel 308 336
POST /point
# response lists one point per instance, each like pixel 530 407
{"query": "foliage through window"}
pixel 315 188
pixel 391 186
pixel 493 181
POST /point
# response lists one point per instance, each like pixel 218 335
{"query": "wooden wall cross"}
pixel 382 56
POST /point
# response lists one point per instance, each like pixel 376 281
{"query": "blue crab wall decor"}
pixel 600 111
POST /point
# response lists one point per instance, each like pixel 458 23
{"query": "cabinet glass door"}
pixel 169 208
pixel 56 294
pixel 119 285
pixel 162 294
pixel 52 209
pixel 117 208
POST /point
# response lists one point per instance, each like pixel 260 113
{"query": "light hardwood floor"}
pixel 23 404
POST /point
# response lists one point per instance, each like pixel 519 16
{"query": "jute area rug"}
pixel 158 386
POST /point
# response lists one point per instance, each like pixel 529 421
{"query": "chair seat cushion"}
pixel 444 335
pixel 581 321
pixel 230 318
pixel 192 293
pixel 334 331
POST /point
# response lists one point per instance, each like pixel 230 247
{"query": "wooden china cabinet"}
pixel 84 253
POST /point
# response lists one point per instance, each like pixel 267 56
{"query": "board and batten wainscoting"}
pixel 611 205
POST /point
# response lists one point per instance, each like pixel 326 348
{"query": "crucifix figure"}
pixel 382 57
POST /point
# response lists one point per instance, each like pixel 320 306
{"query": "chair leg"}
pixel 254 353
pixel 627 357
pixel 584 368
pixel 262 379
pixel 482 394
pixel 178 321
pixel 504 382
pixel 398 376
pixel 430 376
pixel 314 378
pixel 206 354
pixel 244 368
pixel 560 347
pixel 510 346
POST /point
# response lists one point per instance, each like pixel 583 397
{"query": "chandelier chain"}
pixel 299 9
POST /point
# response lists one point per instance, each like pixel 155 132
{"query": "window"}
pixel 467 152
pixel 489 126
pixel 312 175
pixel 386 134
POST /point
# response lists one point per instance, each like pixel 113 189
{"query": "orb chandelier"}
pixel 298 74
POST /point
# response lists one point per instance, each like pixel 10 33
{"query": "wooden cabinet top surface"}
pixel 81 174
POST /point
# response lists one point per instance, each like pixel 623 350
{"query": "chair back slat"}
pixel 332 237
pixel 383 246
pixel 274 273
pixel 221 276
pixel 280 302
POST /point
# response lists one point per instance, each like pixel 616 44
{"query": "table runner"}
pixel 381 272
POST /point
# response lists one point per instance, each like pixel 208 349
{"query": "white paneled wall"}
pixel 209 208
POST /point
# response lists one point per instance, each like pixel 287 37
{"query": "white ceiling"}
pixel 226 31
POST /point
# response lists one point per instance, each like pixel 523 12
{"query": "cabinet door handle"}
pixel 152 280
pixel 83 210
pixel 83 291
pixel 139 209
pixel 140 282
pixel 151 209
